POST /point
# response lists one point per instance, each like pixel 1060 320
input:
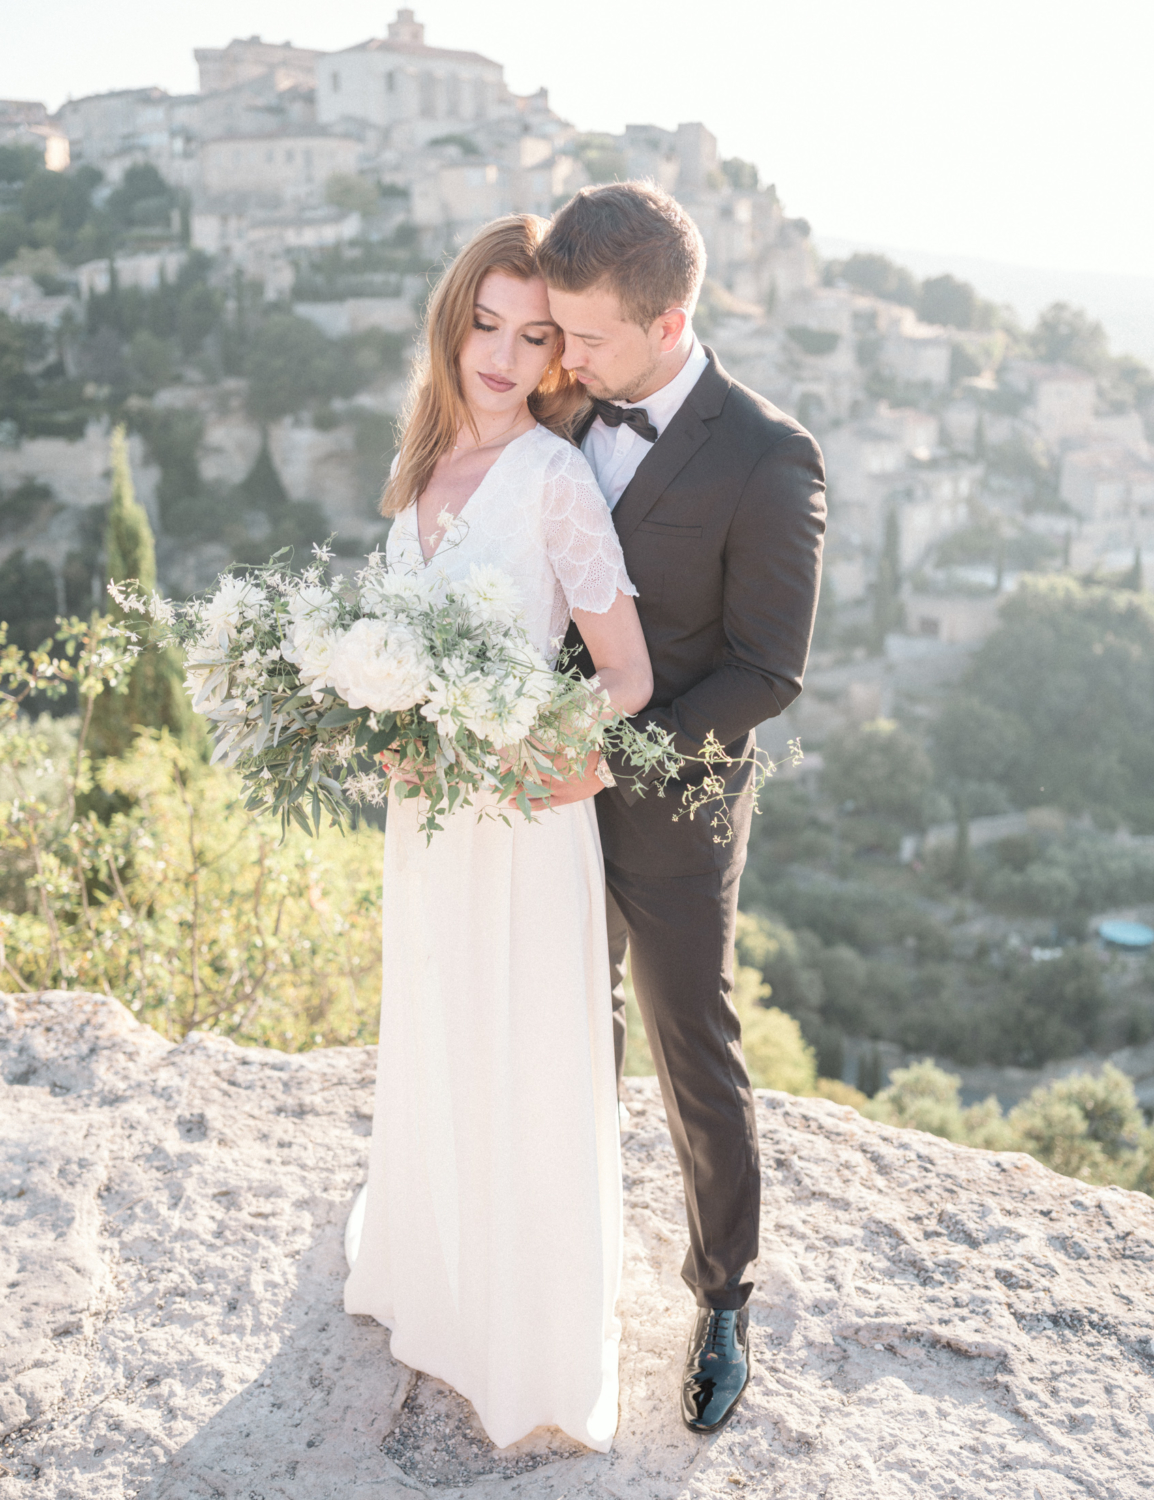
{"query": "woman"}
pixel 491 1241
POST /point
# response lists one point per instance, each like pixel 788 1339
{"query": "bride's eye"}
pixel 484 327
pixel 537 342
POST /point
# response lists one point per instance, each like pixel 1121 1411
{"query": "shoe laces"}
pixel 719 1329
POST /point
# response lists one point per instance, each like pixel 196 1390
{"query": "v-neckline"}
pixel 426 561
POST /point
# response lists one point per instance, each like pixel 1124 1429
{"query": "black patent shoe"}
pixel 716 1368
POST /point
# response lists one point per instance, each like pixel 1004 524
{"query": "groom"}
pixel 718 499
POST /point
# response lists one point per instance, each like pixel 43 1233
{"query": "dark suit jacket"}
pixel 722 530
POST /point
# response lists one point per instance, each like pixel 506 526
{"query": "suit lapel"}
pixel 673 449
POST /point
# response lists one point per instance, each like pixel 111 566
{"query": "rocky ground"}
pixel 928 1319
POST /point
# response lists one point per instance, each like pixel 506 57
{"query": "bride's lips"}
pixel 497 382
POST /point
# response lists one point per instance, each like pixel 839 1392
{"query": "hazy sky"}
pixel 1016 130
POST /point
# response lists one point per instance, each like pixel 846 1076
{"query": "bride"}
pixel 491 1236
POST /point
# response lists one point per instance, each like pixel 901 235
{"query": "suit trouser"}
pixel 679 931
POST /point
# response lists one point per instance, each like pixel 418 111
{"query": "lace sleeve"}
pixel 579 535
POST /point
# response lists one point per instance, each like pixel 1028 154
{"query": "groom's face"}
pixel 613 359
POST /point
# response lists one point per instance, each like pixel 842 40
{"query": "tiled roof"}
pixel 419 50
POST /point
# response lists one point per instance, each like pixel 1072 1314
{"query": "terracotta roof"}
pixel 418 49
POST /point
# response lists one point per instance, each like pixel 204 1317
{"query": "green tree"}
pixel 741 175
pixel 888 610
pixel 879 768
pixel 1069 674
pixel 290 365
pixel 19 162
pixel 353 193
pixel 27 600
pixel 155 697
pixel 878 276
pixel 945 299
pixel 1066 335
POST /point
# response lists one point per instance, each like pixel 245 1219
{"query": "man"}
pixel 718 499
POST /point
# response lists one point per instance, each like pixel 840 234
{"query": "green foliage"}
pixel 352 193
pixel 27 599
pixel 16 385
pixel 19 162
pixel 876 275
pixel 142 200
pixel 1053 1010
pixel 776 1053
pixel 600 157
pixel 464 143
pixel 814 341
pixel 1068 336
pixel 183 908
pixel 290 365
pixel 173 439
pixel 923 1097
pixel 741 175
pixel 945 299
pixel 878 770
pixel 150 361
pixel 888 611
pixel 1086 1126
pixel 1069 674
pixel 154 695
pixel 31 503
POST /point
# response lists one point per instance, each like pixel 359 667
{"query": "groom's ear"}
pixel 672 323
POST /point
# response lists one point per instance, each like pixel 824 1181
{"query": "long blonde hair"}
pixel 436 408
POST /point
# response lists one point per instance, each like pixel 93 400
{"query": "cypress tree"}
pixel 888 610
pixel 155 698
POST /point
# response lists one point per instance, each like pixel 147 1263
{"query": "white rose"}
pixel 380 665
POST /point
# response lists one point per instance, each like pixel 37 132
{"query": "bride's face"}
pixel 509 346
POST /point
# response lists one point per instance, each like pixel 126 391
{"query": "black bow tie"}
pixel 633 416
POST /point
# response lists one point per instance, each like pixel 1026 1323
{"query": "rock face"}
pixel 928 1319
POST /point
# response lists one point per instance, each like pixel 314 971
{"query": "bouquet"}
pixel 325 695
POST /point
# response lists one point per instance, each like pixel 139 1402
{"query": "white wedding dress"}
pixel 491 1234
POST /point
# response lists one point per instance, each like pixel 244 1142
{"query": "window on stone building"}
pixel 428 96
pixel 269 156
pixel 290 156
pixel 336 83
pixel 478 98
pixel 390 83
pixel 453 96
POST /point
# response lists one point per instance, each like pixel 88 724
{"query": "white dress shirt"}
pixel 615 453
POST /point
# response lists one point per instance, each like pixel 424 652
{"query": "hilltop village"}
pixel 240 272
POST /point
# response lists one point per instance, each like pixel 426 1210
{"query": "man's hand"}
pixel 572 789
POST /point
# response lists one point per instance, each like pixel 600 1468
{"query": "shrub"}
pixel 775 1050
pixel 1087 1126
pixel 924 1097
pixel 814 341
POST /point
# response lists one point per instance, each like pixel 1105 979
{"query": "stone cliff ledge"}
pixel 928 1319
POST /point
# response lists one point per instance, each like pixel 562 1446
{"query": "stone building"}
pixel 245 60
pixel 268 170
pixel 26 122
pixel 410 92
